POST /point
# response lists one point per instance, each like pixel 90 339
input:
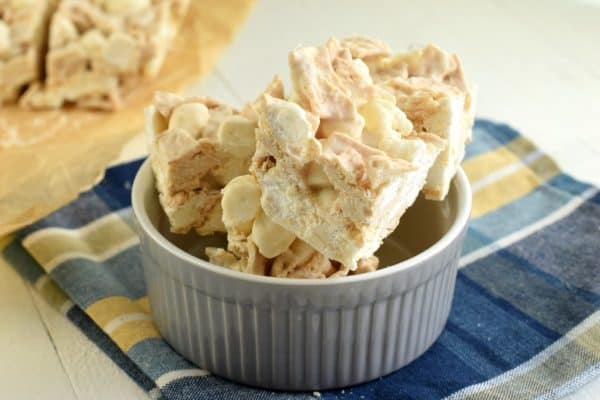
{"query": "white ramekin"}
pixel 301 334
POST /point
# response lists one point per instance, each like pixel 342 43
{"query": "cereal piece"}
pixel 274 89
pixel 365 48
pixel 100 50
pixel 236 136
pixel 221 257
pixel 365 265
pixel 302 261
pixel 328 82
pixel 196 209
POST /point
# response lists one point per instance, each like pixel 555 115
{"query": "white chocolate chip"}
pixel 240 202
pixel 190 116
pixel 236 135
pixel 270 238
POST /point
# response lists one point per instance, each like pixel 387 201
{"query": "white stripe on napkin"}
pixel 169 377
pixel 115 323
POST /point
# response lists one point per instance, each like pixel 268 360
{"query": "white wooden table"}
pixel 537 66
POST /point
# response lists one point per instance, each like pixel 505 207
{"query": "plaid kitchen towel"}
pixel 525 321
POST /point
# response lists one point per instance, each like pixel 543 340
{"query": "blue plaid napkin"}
pixel 525 321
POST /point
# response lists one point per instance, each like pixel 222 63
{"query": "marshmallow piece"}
pixel 241 203
pixel 192 117
pixel 236 136
pixel 293 129
pixel 221 257
pixel 270 238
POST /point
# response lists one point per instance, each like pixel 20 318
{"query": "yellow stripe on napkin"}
pixel 131 333
pixel 513 186
pixel 126 321
pixel 591 339
pixel 484 164
pixel 144 303
pixel 108 309
pixel 98 240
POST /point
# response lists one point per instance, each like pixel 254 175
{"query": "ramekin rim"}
pixel 460 221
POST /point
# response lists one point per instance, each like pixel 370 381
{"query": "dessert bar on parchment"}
pixel 99 50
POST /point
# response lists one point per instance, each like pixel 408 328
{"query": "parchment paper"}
pixel 48 157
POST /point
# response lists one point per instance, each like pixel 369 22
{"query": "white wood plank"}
pixel 93 375
pixel 29 365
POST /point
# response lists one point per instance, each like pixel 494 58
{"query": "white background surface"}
pixel 536 65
